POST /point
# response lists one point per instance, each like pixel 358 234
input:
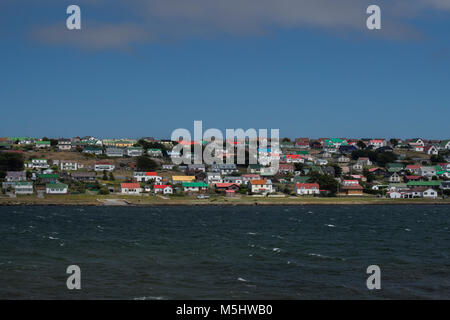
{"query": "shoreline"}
pixel 130 201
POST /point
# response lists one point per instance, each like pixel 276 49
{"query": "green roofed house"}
pixel 194 186
pixel 48 177
pixel 301 179
pixel 42 144
pixel 254 168
pixel 154 152
pixel 395 167
pixel 23 187
pixel 56 188
pixel 93 150
pixel 445 144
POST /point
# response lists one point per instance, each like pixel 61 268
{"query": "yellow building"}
pixel 181 179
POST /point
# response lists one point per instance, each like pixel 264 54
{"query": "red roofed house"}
pixel 163 188
pixel 414 168
pixel 285 168
pixel 352 190
pixel 432 150
pixel 130 188
pixel 377 143
pixel 307 188
pixel 414 178
pixel 294 158
pixel 146 176
pixel 351 183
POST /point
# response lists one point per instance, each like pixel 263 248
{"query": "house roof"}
pixel 352 187
pixel 225 185
pixel 161 186
pixel 130 185
pixel 183 178
pixel 56 185
pixel 307 185
pixel 257 182
pixel 194 184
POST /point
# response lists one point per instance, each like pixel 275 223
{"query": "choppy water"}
pixel 225 252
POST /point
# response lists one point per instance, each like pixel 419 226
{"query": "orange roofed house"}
pixel 130 188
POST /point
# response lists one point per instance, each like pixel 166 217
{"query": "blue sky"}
pixel 308 68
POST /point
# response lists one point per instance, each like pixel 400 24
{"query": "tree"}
pixel 393 142
pixel 361 144
pixel 105 175
pixel 437 158
pixel 144 163
pixel 299 167
pixel 11 162
pixel 111 177
pixel 337 170
pixel 325 181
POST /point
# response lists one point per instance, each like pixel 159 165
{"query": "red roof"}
pixel 352 187
pixel 413 177
pixel 161 186
pixel 413 166
pixel 307 185
pixel 130 185
pixel 103 163
pixel 150 173
pixel 225 185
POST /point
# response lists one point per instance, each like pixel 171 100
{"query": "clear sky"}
pixel 144 68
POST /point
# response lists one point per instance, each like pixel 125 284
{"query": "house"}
pixel 235 180
pixel 418 148
pixel 377 171
pixel 154 152
pixel 415 142
pixel 227 186
pixel 181 179
pixel 430 193
pixel 23 187
pixel 294 158
pixel 431 150
pixel 321 162
pixel 352 190
pixel 343 159
pixel 163 188
pixel 286 168
pixel 357 166
pixel 68 165
pixel 445 144
pixel 132 151
pixel 394 195
pixel 350 183
pixel 254 168
pixel 48 178
pixel 409 178
pixel 84 176
pixel 93 150
pixel 261 186
pixel 102 166
pixel 445 185
pixel 420 192
pixel 306 188
pixel 196 168
pixel 246 178
pixel 194 186
pixel 395 167
pixel 394 178
pixel 64 145
pixel 377 143
pixel 15 176
pixel 364 161
pixel 414 168
pixel 56 188
pixel 114 152
pixel 146 176
pixel 37 164
pixel 130 188
pixel 427 171
pixel 167 166
pixel 213 178
pixel 42 144
pixel 224 168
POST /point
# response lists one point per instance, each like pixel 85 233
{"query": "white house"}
pixel 213 178
pixel 430 193
pixel 377 143
pixel 394 195
pixel 23 187
pixel 56 188
pixel 164 189
pixel 37 164
pixel 102 166
pixel 431 150
pixel 69 165
pixel 306 188
pixel 147 176
pixel 134 151
pixel 64 144
pixel 130 188
pixel 427 171
pixel 261 186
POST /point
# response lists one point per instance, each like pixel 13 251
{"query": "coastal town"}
pixel 328 168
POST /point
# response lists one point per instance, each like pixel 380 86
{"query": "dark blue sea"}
pixel 254 252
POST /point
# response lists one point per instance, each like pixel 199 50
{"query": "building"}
pixel 431 150
pixel 194 186
pixel 307 189
pixel 56 188
pixel 181 179
pixel 102 166
pixel 68 165
pixel 213 178
pixel 261 186
pixel 232 179
pixel 146 176
pixel 427 171
pixel 64 145
pixel 154 153
pixel 352 190
pixel 134 151
pixel 23 187
pixel 224 168
pixel 114 152
pixel 162 188
pixel 227 186
pixel 84 176
pixel 130 188
pixel 37 164
pixel 15 176
pixel 93 150
pixel 377 143
pixel 286 168
pixel 42 144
